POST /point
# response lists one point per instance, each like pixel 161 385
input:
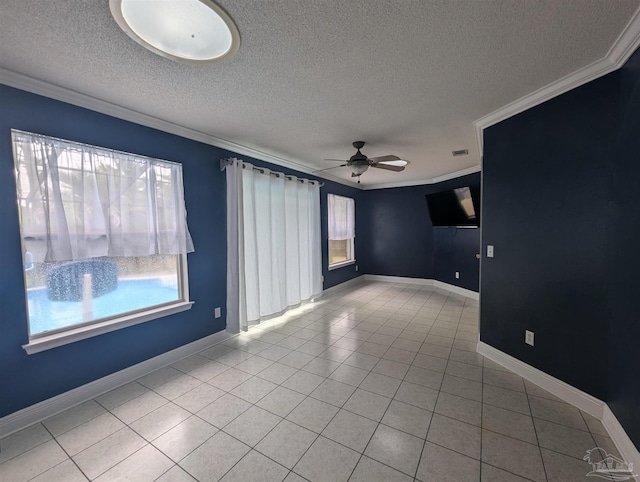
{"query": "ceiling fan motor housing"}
pixel 359 159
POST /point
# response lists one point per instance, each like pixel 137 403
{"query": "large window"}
pixel 341 218
pixel 104 238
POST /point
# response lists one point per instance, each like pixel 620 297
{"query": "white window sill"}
pixel 341 265
pixel 37 345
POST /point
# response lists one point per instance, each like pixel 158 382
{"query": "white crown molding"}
pixel 390 185
pixel 52 406
pixel 626 43
pixel 421 182
pixel 623 47
pixel 35 86
pixel 453 175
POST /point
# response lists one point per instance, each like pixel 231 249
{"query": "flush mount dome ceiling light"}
pixel 186 30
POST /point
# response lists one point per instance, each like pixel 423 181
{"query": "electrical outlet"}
pixel 489 251
pixel 457 274
pixel 217 312
pixel 528 337
pixel 356 267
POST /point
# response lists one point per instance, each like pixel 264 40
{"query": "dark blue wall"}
pixel 27 379
pixel 545 191
pixel 623 261
pixel 455 249
pixel 402 242
pixel 560 187
pixel 398 233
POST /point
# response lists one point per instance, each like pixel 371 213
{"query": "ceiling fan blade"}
pixel 387 167
pixel 326 169
pixel 384 158
pixel 336 160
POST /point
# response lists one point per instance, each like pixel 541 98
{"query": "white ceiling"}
pixel 409 77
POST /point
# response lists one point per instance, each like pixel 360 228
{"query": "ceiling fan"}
pixel 359 163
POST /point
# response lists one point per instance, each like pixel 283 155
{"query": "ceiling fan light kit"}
pixel 359 163
pixel 193 31
pixel 358 169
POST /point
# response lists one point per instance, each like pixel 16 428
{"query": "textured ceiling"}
pixel 409 77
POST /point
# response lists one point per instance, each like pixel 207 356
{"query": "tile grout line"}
pixel 65 452
pixel 381 418
pixel 424 444
pixel 378 426
pixel 535 430
pixel 374 372
pixel 332 418
pixel 251 354
pixel 481 409
pixel 28 450
pixel 251 448
pixel 283 418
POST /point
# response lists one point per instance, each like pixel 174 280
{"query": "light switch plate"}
pixel 217 312
pixel 528 337
pixel 489 251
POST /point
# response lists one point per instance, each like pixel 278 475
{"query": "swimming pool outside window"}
pixel 104 237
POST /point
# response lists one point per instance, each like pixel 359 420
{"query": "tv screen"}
pixel 455 207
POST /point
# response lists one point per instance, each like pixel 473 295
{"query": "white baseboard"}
pixel 624 444
pixel 424 282
pixel 399 279
pixel 345 284
pixel 569 394
pixel 560 389
pixel 474 295
pixel 52 406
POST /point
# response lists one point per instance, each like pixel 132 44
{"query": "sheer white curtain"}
pixel 80 201
pixel 273 243
pixel 341 217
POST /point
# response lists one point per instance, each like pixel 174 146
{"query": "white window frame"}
pixel 131 318
pixel 348 262
pixel 38 343
pixel 342 264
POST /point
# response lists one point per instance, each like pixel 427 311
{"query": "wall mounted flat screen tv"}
pixel 455 207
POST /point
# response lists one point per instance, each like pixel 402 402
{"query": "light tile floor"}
pixel 378 383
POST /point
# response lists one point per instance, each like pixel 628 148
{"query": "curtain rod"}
pixel 227 161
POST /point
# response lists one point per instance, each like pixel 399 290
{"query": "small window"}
pixel 104 235
pixel 341 218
